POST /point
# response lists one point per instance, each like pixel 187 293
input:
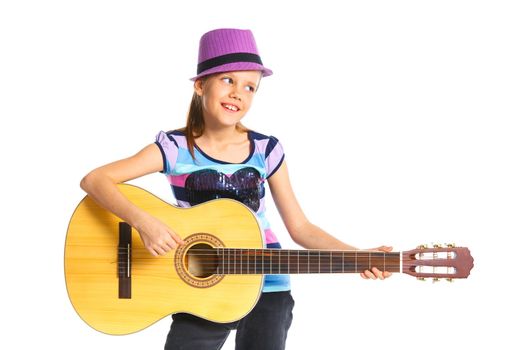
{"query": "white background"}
pixel 413 109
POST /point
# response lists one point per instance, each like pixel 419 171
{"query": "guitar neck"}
pixel 239 261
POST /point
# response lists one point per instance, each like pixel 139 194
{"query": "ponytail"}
pixel 194 123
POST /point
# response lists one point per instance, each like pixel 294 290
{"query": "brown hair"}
pixel 195 122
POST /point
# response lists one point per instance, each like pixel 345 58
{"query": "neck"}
pixel 220 135
pixel 281 261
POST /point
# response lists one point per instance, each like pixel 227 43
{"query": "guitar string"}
pixel 204 256
pixel 276 253
pixel 360 268
pixel 294 254
pixel 238 257
pixel 258 271
pixel 321 261
pixel 293 263
pixel 290 267
pixel 338 255
pixel 352 264
pixel 217 249
pixel 215 259
pixel 272 251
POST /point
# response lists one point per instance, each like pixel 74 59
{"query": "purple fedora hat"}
pixel 226 50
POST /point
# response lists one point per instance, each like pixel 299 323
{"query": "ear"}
pixel 198 87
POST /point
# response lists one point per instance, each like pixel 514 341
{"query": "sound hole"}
pixel 202 260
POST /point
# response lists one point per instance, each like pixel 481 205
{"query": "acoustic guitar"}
pixel 117 287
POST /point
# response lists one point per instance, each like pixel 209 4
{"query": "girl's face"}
pixel 227 97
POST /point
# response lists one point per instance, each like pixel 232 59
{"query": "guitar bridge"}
pixel 124 261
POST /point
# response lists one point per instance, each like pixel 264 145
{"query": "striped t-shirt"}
pixel 205 178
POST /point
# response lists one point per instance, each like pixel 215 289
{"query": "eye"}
pixel 250 88
pixel 227 80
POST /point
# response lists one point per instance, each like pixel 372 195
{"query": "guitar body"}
pixel 157 286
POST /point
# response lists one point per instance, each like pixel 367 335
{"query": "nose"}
pixel 235 93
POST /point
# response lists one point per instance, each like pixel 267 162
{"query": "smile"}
pixel 230 107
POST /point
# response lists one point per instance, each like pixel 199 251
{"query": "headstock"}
pixel 440 261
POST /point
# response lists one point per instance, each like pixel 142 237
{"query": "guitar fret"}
pixel 262 262
pixel 260 256
pixel 247 263
pixel 308 261
pixel 279 251
pixel 264 268
pixel 288 262
pixel 271 262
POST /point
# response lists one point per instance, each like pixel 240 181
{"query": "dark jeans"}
pixel 264 328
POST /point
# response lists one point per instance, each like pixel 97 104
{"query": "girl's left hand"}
pixel 375 273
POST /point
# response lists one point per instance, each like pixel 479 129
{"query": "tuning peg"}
pixel 450 280
pixel 421 279
pixel 434 280
pixel 437 245
pixel 422 246
pixel 451 245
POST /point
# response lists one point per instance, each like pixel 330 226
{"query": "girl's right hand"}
pixel 158 238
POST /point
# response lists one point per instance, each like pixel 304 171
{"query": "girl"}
pixel 215 156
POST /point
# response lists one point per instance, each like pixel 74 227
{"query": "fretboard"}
pixel 280 261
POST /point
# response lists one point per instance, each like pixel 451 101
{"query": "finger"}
pixel 384 248
pixel 168 246
pixel 363 275
pixel 160 250
pixel 180 240
pixel 377 273
pixel 176 238
pixel 370 274
pixel 387 274
pixel 152 251
pixel 170 243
